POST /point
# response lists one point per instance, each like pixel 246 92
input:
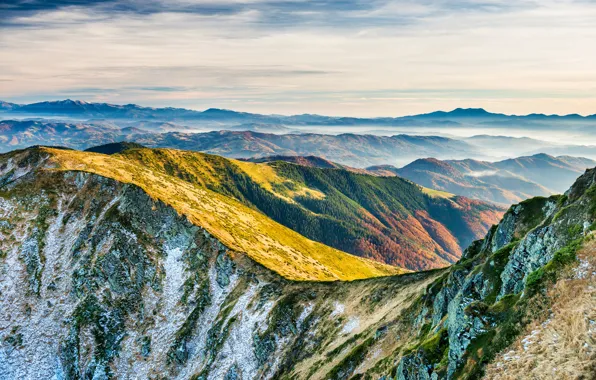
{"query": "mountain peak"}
pixel 470 111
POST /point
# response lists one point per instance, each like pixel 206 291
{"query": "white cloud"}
pixel 532 57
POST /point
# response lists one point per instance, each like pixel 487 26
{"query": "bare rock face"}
pixel 493 275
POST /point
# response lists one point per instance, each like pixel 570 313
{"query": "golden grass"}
pixel 238 227
pixel 265 175
pixel 564 345
pixel 436 193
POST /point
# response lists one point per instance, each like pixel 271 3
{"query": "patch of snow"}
pixel 338 309
pixel 238 348
pixel 582 271
pixel 304 314
pixel 352 324
pixel 197 345
pixel 42 326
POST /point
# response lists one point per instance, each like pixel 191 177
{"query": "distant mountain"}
pixel 445 176
pixel 461 113
pixel 155 126
pixel 348 149
pixel 556 173
pixel 5 106
pixel 81 109
pixel 570 150
pixel 22 134
pixel 504 182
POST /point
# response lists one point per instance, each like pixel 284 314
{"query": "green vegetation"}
pixel 386 219
pixel 512 312
pixel 345 368
pixel 239 227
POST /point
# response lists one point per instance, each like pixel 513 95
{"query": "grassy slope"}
pixel 236 225
pixel 387 219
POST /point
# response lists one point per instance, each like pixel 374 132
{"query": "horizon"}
pixel 379 58
pixel 299 114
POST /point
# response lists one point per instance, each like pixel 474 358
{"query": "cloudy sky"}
pixel 334 57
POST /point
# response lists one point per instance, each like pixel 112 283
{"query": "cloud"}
pixel 351 57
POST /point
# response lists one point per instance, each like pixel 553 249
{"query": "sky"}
pixel 342 57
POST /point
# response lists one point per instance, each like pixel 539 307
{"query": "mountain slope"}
pixel 238 227
pixel 504 182
pixel 101 280
pixel 386 219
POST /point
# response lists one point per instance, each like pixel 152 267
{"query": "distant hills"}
pixel 508 181
pixel 77 108
pixel 16 134
pixel 349 149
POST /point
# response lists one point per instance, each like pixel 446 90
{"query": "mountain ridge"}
pixel 97 109
pixel 389 220
pixel 277 251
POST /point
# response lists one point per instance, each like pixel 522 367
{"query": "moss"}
pixel 145 346
pixel 533 213
pixel 512 312
pixel 338 350
pixel 435 347
pixel 203 375
pixel 216 337
pixel 282 322
pixel 345 368
pixel 493 267
pixel 14 339
pixel 538 279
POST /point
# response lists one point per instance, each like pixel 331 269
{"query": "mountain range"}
pixel 153 263
pixel 349 149
pixel 78 109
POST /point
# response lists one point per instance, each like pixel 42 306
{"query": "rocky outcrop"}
pixel 474 301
